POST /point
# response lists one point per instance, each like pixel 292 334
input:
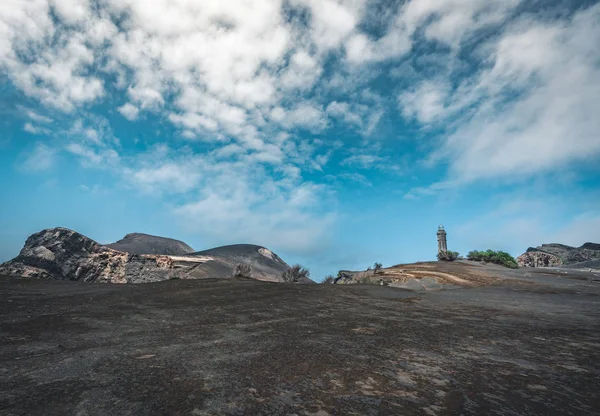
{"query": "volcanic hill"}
pixel 63 254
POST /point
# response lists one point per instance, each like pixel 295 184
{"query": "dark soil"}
pixel 244 347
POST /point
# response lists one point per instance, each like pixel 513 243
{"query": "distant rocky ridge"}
pixel 553 255
pixel 60 253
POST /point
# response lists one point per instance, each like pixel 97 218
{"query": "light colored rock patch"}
pixel 43 253
pixel 266 252
pixel 192 259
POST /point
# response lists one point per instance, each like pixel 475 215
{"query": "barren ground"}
pixel 243 347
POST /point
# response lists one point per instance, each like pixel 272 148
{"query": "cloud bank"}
pixel 266 96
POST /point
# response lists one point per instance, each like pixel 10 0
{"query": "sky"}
pixel 337 133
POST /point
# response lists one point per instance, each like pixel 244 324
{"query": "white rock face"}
pixel 43 253
pixel 266 252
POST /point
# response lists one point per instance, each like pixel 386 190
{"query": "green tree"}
pixel 447 255
pixel 497 257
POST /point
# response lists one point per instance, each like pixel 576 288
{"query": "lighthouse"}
pixel 441 238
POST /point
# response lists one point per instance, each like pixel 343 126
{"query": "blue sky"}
pixel 336 133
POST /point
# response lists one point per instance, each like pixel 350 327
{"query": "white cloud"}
pixel 40 158
pixel 426 102
pixel 129 111
pixel 306 115
pixel 56 74
pixel 332 21
pixel 271 213
pixel 91 157
pixel 450 21
pixel 301 73
pixel 30 128
pixel 551 70
pixel 71 11
pixel 169 177
pixel 356 177
pixel 365 161
pixel 433 189
pixel 445 21
pixel 35 116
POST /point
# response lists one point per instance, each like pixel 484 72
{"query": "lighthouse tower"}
pixel 441 237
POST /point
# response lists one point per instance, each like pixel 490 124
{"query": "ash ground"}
pixel 528 343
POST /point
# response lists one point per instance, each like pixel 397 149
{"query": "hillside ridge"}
pixel 63 254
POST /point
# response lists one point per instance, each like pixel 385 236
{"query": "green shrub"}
pixel 377 268
pixel 447 255
pixel 497 257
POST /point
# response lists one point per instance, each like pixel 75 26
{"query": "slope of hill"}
pixel 264 263
pixel 139 243
pixel 63 254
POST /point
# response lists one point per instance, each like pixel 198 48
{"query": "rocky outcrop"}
pixel 538 259
pixel 547 253
pixel 139 243
pixel 345 277
pixel 63 254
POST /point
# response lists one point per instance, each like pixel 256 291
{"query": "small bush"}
pixel 242 270
pixel 447 255
pixel 329 279
pixel 295 274
pixel 377 268
pixel 497 257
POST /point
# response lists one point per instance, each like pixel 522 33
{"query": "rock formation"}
pixel 552 255
pixel 538 259
pixel 63 254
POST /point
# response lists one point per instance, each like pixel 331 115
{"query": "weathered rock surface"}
pixel 538 259
pixel 63 254
pixel 139 243
pixel 567 254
